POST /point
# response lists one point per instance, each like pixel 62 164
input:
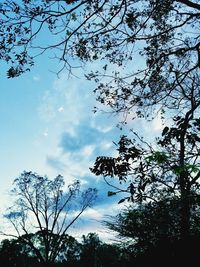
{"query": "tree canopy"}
pixel 42 205
pixel 143 226
pixel 89 251
pixel 151 233
pixel 168 168
pixel 163 36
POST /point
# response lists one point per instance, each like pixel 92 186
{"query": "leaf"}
pixel 165 130
pixel 110 193
pixel 121 200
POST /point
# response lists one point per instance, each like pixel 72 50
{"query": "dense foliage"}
pixel 89 251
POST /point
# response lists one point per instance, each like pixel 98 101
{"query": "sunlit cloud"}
pixel 93 213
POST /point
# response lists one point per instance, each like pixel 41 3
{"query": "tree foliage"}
pixel 14 253
pixel 150 170
pixel 142 227
pixel 163 36
pixel 151 233
pixel 90 251
pixel 44 206
pixel 169 168
pixel 95 253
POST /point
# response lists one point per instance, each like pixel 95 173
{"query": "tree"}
pixel 89 251
pixel 152 229
pixel 15 253
pixel 163 35
pixel 143 227
pixel 170 168
pixel 114 255
pixel 94 252
pixel 70 253
pixel 42 205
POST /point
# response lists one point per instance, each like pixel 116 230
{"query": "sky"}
pixel 48 127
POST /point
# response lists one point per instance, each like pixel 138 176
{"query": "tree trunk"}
pixel 185 217
pixel 185 208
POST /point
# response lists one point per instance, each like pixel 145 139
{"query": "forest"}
pixel 147 58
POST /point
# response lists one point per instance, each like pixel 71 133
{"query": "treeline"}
pixel 146 235
pixel 149 233
pixel 90 251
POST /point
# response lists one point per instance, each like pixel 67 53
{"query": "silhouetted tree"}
pixel 89 255
pixel 150 233
pixel 114 255
pixel 70 254
pixel 43 204
pixel 162 35
pixel 143 226
pixel 169 168
pixel 16 253
pixel 94 252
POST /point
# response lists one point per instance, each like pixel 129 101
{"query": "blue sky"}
pixel 47 126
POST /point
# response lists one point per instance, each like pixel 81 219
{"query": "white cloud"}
pixel 36 78
pixel 83 139
pixel 157 123
pixel 87 150
pixel 45 133
pixel 72 98
pixel 74 164
pixel 104 129
pixel 61 109
pixel 105 145
pixel 91 222
pixel 93 213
